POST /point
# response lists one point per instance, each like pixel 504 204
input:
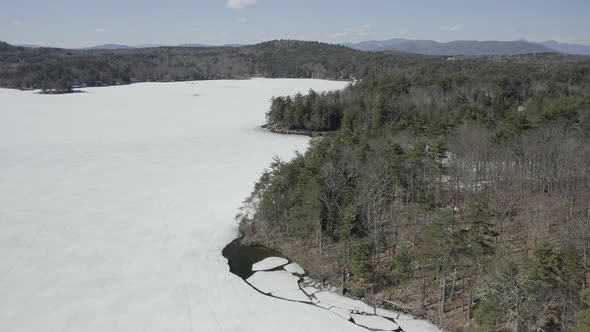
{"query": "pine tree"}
pixel 477 241
pixel 439 252
pixel 361 259
pixel 402 268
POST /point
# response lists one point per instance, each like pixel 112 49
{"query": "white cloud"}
pixel 362 27
pixel 240 4
pixel 354 31
pixel 453 28
pixel 338 34
pixel 100 30
pixel 403 32
pixel 17 22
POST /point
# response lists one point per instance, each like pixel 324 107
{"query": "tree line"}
pixel 60 70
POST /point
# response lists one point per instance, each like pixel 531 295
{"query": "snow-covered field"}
pixel 115 205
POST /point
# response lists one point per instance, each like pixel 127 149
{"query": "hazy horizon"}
pixel 161 44
pixel 70 25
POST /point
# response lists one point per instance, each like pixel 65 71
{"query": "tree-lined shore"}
pixel 61 70
pixel 458 190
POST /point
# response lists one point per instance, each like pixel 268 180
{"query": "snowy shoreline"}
pixel 283 131
pixel 283 279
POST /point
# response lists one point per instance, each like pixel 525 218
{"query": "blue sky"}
pixel 69 23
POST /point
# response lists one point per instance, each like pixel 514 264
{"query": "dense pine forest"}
pixel 453 188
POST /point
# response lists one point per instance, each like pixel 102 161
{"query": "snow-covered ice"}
pixel 295 268
pixel 340 301
pixel 408 323
pixel 374 322
pixel 274 281
pixel 417 325
pixel 269 263
pixel 344 313
pixel 310 290
pixel 293 295
pixel 388 313
pixel 115 205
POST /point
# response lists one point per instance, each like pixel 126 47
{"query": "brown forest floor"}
pixel 538 216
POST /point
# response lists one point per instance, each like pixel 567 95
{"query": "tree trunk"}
pixel 453 286
pixel 441 308
pixel 320 243
pixel 472 290
pixel 463 295
pixel 422 293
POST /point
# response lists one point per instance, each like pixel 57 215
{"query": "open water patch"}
pixel 241 258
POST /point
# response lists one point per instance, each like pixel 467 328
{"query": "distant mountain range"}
pixel 567 48
pixel 427 47
pixel 108 47
pixel 469 47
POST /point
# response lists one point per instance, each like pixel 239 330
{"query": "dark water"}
pixel 241 257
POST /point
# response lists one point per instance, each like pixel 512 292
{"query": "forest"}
pixel 455 190
pixel 61 70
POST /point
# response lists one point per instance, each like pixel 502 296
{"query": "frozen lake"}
pixel 115 205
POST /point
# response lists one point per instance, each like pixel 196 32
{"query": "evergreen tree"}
pixel 477 241
pixel 439 253
pixel 402 268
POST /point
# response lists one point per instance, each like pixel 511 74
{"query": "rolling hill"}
pixel 460 47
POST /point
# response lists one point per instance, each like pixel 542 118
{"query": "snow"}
pixel 388 313
pixel 340 301
pixel 269 263
pixel 274 281
pixel 310 290
pixel 295 268
pixel 402 316
pixel 115 205
pixel 417 325
pixel 293 295
pixel 408 323
pixel 341 312
pixel 374 322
